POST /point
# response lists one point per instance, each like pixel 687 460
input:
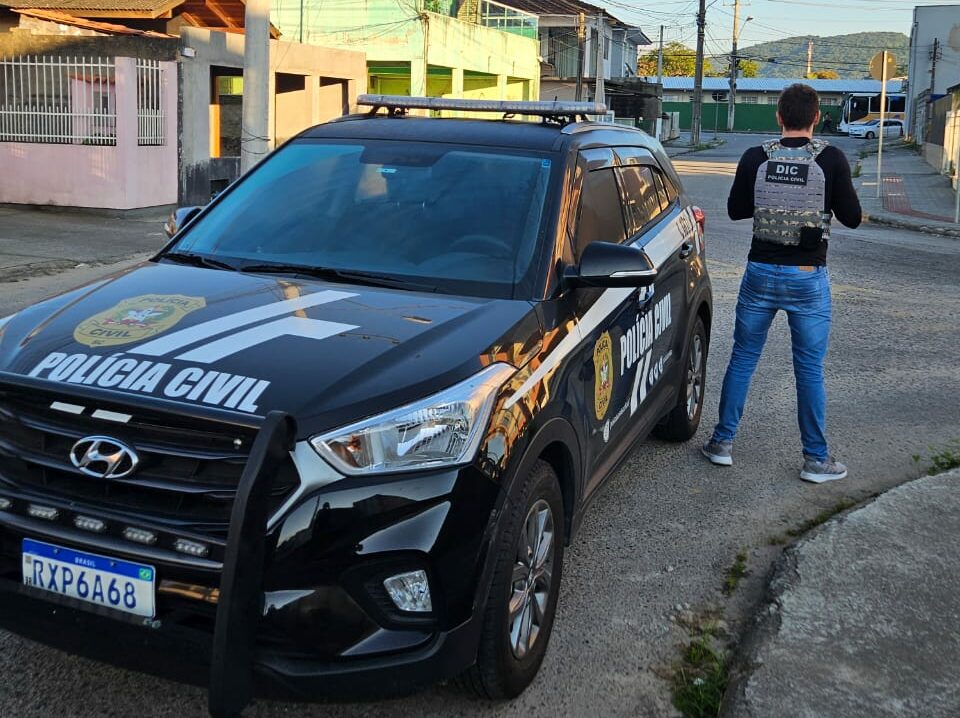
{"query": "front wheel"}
pixel 684 420
pixel 523 598
pixel 871 136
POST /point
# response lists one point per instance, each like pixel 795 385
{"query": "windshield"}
pixel 459 219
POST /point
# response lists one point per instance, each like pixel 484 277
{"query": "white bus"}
pixel 865 106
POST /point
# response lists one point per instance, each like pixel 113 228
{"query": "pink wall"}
pixel 125 176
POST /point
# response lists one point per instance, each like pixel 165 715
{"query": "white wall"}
pixel 943 23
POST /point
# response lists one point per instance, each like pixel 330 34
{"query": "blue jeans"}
pixel 804 294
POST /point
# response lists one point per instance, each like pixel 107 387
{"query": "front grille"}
pixel 189 468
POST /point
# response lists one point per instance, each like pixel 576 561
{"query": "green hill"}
pixel 847 55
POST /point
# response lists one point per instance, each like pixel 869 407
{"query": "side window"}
pixel 601 212
pixel 670 190
pixel 643 199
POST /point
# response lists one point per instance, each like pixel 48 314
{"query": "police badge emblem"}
pixel 135 319
pixel 603 375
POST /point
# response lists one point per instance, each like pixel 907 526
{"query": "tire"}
pixel 506 664
pixel 684 419
pixel 871 136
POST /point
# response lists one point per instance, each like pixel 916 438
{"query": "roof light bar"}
pixel 507 107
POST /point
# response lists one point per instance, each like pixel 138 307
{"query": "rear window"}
pixel 643 200
pixel 463 219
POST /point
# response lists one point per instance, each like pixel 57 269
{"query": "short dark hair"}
pixel 798 106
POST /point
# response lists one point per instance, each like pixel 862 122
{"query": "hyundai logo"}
pixel 103 457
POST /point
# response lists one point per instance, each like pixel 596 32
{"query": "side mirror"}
pixel 612 265
pixel 179 217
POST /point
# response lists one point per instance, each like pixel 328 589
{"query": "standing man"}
pixel 790 187
pixel 827 124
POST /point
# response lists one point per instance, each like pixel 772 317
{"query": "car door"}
pixel 652 348
pixel 602 315
pixel 627 334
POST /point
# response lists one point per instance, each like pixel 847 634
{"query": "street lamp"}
pixel 733 65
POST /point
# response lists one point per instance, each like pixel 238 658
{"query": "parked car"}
pixel 871 129
pixel 334 438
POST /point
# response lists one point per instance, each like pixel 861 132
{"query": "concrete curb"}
pixel 889 221
pixel 767 620
pixel 23 272
pixel 691 150
pixel 157 213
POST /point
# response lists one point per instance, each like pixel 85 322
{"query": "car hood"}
pixel 327 353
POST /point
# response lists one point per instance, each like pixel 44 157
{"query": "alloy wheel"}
pixel 695 377
pixel 532 577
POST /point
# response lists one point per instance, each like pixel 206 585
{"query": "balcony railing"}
pixel 503 17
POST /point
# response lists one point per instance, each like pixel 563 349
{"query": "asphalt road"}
pixel 37 242
pixel 668 524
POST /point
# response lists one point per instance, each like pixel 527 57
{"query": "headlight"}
pixel 442 430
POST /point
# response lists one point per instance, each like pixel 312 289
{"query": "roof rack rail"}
pixel 555 110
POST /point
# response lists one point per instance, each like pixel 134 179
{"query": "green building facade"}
pixel 479 49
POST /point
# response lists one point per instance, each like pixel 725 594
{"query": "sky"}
pixel 772 19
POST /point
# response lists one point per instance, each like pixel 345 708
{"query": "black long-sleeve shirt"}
pixel 841 199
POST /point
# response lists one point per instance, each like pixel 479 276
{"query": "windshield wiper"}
pixel 197 260
pixel 345 275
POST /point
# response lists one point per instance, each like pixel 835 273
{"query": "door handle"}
pixel 686 249
pixel 644 296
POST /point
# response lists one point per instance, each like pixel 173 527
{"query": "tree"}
pixel 749 68
pixel 824 75
pixel 678 61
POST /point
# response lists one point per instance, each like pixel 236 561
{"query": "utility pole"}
pixel 809 57
pixel 660 59
pixel 697 108
pixel 935 55
pixel 598 91
pixel 581 52
pixel 881 130
pixel 733 68
pixel 956 169
pixel 255 133
pixel 659 124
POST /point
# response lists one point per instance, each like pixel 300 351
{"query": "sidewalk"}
pixel 863 615
pixel 46 241
pixel 914 195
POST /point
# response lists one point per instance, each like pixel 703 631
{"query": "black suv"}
pixel 335 436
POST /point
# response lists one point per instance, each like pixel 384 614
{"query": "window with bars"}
pixel 58 100
pixel 48 99
pixel 150 119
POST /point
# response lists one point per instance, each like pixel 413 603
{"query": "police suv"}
pixel 333 438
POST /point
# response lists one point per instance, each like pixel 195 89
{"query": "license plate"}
pixel 110 582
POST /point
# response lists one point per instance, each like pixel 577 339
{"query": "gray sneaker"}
pixel 718 452
pixel 820 471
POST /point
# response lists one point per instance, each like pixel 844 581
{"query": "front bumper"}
pixel 181 653
pixel 295 610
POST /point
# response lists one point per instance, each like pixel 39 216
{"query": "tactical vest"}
pixel 789 193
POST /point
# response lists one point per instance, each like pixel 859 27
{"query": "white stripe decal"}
pixel 68 408
pixel 667 241
pixel 111 416
pixel 288 326
pixel 205 330
pixel 593 318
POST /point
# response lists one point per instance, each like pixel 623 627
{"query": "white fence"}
pixel 73 100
